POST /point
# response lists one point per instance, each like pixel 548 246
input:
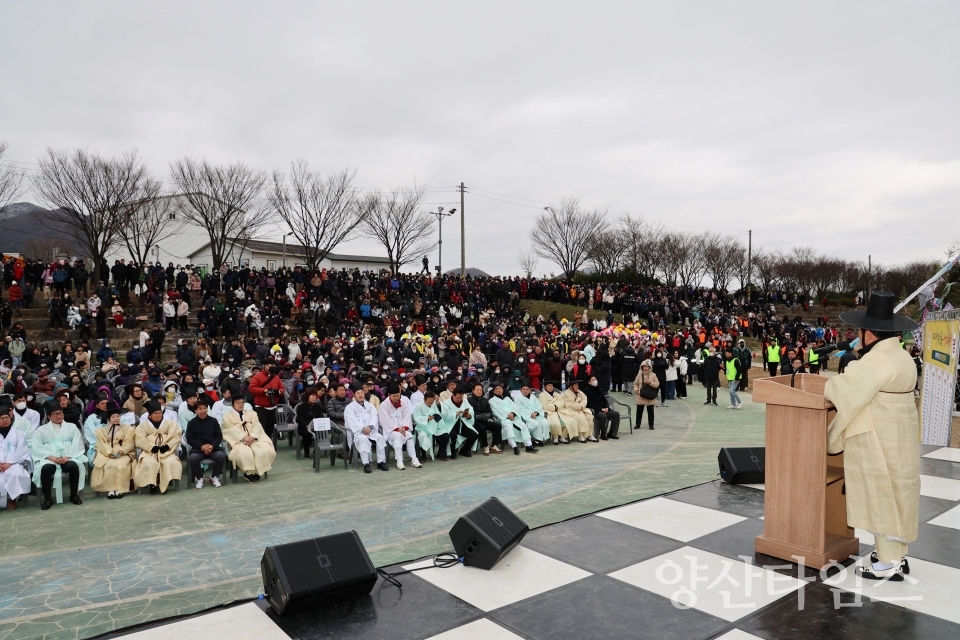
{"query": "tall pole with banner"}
pixel 938 398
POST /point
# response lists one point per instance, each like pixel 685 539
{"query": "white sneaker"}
pixel 740 406
pixel 416 464
pixel 199 483
pixel 216 481
pixel 731 407
pixel 400 465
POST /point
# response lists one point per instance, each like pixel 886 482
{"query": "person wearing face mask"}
pixel 268 392
pixel 579 369
pixel 660 366
pixel 24 416
pixel 876 428
pixel 157 438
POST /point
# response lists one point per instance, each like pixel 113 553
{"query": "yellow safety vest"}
pixel 813 358
pixel 773 353
pixel 732 369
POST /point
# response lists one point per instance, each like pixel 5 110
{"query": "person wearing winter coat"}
pixel 645 376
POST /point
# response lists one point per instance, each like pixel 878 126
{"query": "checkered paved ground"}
pixel 678 566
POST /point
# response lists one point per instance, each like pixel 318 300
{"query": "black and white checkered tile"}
pixel 681 566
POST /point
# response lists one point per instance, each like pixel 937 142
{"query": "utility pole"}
pixel 463 236
pixel 749 264
pixel 869 276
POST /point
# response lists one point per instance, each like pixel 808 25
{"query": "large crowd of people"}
pixel 436 368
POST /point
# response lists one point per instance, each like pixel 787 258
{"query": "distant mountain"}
pixel 22 230
pixel 470 271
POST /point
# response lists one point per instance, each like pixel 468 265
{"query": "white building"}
pixel 190 244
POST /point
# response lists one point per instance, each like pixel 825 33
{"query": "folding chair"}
pixel 286 425
pixel 323 441
pixel 613 401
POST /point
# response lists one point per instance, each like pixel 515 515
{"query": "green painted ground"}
pixel 75 572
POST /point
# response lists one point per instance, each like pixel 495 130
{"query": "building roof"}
pixel 295 250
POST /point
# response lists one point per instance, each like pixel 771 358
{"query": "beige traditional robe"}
pixel 113 474
pixel 560 426
pixel 877 429
pixel 256 458
pixel 150 464
pixel 575 408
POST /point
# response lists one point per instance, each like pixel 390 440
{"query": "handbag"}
pixel 647 392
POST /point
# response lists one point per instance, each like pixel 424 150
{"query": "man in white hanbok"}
pixel 14 456
pixel 396 421
pixel 360 418
pixel 514 428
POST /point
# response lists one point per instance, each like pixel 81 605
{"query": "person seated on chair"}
pixel 114 451
pixel 225 404
pixel 452 383
pixel 157 438
pixel 484 421
pixel 575 406
pixel 307 411
pixel 94 421
pixel 186 411
pixel 562 428
pixel 532 413
pixel 606 419
pixel 24 418
pixel 458 415
pixel 205 440
pixel 251 449
pixel 429 424
pixel 370 394
pixel 14 452
pixel 512 425
pixel 395 416
pixel 360 417
pixel 58 446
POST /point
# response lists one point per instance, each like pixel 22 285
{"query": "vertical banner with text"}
pixel 940 342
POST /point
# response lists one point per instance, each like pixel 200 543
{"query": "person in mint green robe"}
pixel 531 411
pixel 429 424
pixel 93 422
pixel 514 428
pixel 458 416
pixel 58 446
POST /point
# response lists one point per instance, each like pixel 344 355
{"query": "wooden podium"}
pixel 805 509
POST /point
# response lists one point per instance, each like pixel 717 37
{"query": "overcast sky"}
pixel 827 124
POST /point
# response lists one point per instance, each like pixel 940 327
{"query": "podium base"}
pixel 836 549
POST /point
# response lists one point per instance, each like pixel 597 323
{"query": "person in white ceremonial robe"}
pixel 514 428
pixel 22 411
pixel 14 458
pixel 532 413
pixel 360 418
pixel 396 421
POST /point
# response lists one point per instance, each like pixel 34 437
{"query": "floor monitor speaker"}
pixel 487 534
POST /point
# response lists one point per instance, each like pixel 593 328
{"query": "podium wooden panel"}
pixel 805 509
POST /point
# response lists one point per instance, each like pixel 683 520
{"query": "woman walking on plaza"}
pixel 645 387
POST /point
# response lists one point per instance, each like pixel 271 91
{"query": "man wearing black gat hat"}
pixel 876 427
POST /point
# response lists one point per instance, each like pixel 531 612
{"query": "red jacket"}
pixel 258 387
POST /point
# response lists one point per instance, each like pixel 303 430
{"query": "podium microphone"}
pixel 830 348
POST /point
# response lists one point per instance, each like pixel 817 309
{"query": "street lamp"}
pixel 285 248
pixel 440 216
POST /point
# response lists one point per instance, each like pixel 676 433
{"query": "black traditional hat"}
pixel 879 315
pixel 152 406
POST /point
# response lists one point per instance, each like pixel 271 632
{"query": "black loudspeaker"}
pixel 486 534
pixel 299 575
pixel 742 465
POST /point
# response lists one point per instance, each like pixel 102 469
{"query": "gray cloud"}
pixel 827 124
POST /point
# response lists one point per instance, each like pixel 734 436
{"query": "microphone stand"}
pixel 793 378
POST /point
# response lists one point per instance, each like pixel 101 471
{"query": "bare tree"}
pixel 723 256
pixel 563 235
pixel 396 223
pixel 11 179
pixel 147 222
pixel 605 251
pixel 528 262
pixel 43 248
pixel 687 257
pixel 321 211
pixel 91 194
pixel 224 200
pixel 765 267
